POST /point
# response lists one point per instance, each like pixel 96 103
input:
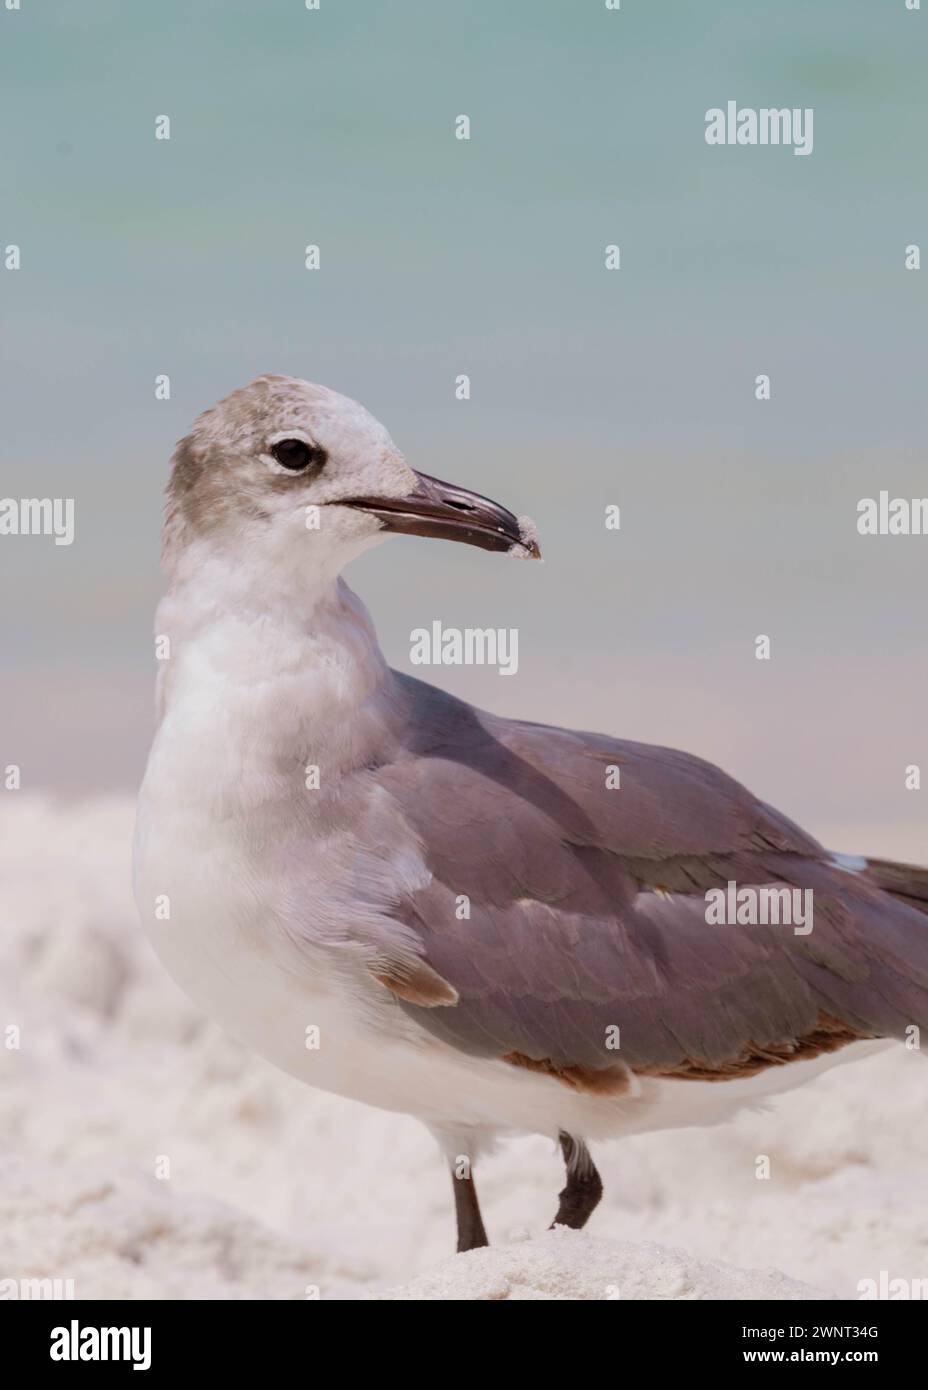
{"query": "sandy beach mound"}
pixel 144 1154
pixel 573 1265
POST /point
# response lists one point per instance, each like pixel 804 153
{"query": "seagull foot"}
pixel 579 1199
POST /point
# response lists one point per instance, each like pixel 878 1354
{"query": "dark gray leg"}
pixel 584 1185
pixel 471 1233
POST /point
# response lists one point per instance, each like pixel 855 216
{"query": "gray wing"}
pixel 570 932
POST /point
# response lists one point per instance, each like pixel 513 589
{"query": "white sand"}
pixel 275 1189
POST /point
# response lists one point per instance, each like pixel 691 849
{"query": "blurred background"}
pixel 441 257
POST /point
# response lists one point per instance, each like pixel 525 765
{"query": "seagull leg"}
pixel 584 1185
pixel 471 1232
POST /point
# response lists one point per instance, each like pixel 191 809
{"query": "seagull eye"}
pixel 296 454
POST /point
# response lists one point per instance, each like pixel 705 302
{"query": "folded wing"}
pixel 566 900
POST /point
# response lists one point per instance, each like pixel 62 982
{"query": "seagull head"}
pixel 287 471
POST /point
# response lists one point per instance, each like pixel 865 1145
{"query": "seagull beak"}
pixel 451 513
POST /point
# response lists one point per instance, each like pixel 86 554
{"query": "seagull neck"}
pixel 278 673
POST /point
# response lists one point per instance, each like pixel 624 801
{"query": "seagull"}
pixel 496 926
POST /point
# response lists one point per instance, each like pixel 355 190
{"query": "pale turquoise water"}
pixel 485 257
